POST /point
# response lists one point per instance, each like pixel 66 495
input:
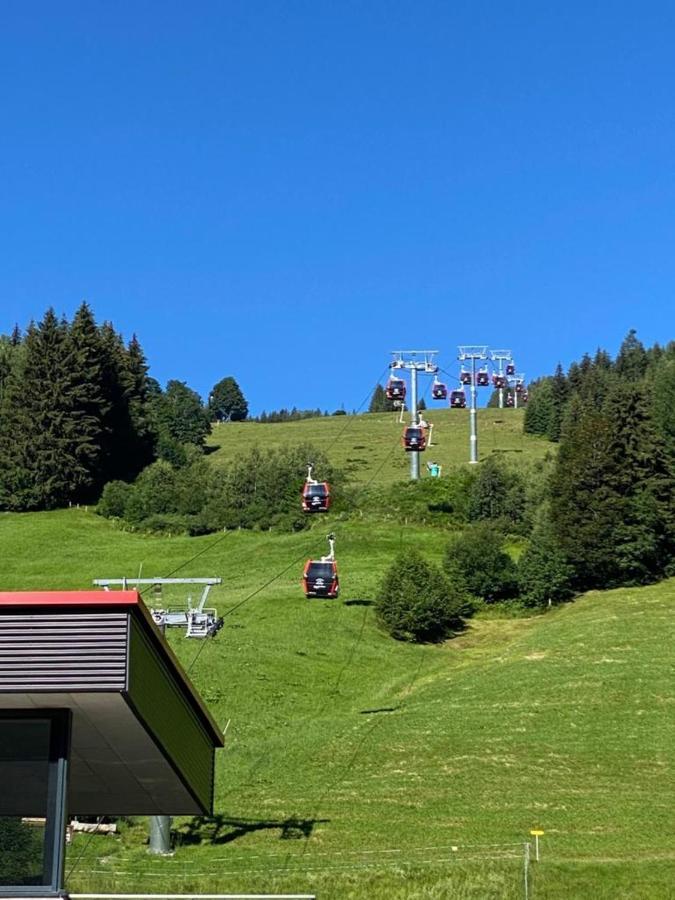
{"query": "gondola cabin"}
pixel 482 378
pixel 414 438
pixel 316 496
pixel 499 381
pixel 524 397
pixel 509 399
pixel 457 400
pixel 519 387
pixel 510 368
pixel 320 579
pixel 395 389
pixel 439 391
pixel 465 376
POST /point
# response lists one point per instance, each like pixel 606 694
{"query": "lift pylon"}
pixel 414 361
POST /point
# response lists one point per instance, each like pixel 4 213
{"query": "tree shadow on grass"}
pixel 358 603
pixel 220 829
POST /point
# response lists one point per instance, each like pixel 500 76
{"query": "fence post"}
pixel 526 868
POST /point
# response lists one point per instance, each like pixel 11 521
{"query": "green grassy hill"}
pixel 368 446
pixel 355 764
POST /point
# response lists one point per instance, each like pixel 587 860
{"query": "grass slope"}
pixel 368 446
pixel 354 764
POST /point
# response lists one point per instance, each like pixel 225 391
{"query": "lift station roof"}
pixel 143 742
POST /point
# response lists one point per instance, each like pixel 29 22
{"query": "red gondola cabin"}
pixel 482 378
pixel 458 400
pixel 465 376
pixel 315 496
pixel 499 381
pixel 320 579
pixel 395 389
pixel 510 368
pixel 414 438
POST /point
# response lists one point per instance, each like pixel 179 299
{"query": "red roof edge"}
pixel 69 598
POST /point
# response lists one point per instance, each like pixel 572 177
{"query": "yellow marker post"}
pixel 537 834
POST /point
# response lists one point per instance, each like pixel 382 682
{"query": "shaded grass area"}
pixel 346 747
pixel 368 446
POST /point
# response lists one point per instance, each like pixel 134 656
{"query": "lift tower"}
pixel 473 352
pixel 414 361
pixel 501 357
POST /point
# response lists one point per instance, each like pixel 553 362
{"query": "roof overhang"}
pixel 143 743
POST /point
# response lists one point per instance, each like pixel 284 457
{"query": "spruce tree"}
pixel 585 512
pixel 663 404
pixel 638 472
pixel 539 411
pixel 631 362
pixel 91 406
pixel 544 575
pixel 47 442
pixel 559 398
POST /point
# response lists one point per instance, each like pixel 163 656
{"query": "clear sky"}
pixel 285 191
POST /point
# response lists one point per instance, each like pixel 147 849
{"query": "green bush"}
pixel 258 491
pixel 475 560
pixel 416 602
pixel 497 493
pixel 114 499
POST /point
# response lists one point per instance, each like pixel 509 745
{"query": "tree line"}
pixel 609 514
pixel 78 410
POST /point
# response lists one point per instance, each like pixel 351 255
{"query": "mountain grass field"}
pixel 359 767
pixel 368 447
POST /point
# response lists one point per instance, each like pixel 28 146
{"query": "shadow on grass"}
pixel 223 830
pixel 358 602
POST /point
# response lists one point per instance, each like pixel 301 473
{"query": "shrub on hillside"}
pixel 416 602
pixel 497 493
pixel 259 490
pixel 113 502
pixel 476 561
pixel 544 575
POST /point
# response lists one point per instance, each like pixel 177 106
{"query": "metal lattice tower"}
pixel 414 361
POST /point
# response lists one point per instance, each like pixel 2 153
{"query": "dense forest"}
pixel 78 410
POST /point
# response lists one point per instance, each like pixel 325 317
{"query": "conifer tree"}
pixel 539 411
pixel 585 512
pixel 544 575
pixel 379 402
pixel 663 403
pixel 638 472
pixel 46 442
pixel 559 397
pixel 631 362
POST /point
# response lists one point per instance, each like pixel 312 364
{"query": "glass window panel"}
pixel 24 794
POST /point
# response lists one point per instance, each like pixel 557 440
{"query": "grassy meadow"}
pixel 368 447
pixel 359 767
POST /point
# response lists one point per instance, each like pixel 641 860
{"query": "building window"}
pixel 33 758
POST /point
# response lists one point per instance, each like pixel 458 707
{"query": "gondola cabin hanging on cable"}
pixel 465 376
pixel 395 389
pixel 414 438
pixel 498 380
pixel 457 399
pixel 315 494
pixel 482 378
pixel 510 368
pixel 320 576
pixel 439 391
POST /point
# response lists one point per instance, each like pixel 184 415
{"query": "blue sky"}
pixel 285 191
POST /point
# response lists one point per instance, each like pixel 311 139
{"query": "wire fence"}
pixel 172 870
